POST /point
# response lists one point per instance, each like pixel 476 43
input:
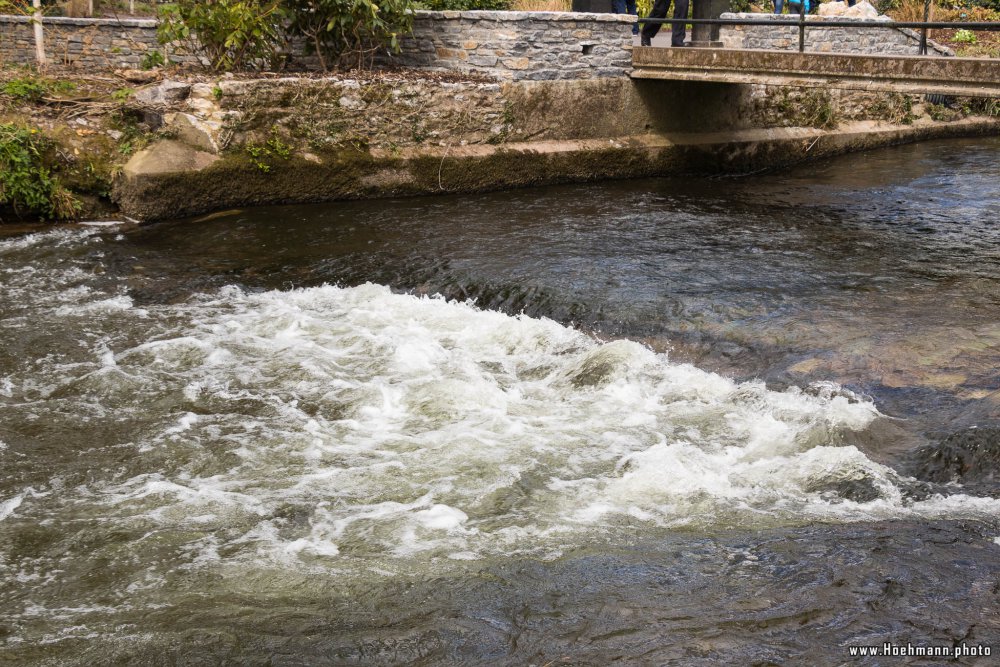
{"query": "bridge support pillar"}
pixel 707 35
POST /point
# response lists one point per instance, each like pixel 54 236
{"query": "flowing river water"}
pixel 689 421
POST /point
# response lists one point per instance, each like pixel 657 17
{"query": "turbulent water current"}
pixel 733 421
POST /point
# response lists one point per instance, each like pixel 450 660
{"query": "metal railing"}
pixel 802 24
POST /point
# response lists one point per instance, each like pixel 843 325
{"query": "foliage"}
pixel 232 34
pixel 245 34
pixel 465 5
pixel 262 154
pixel 335 28
pixel 28 89
pixel 964 36
pixel 122 94
pixel 26 184
pixel 151 60
pixel 32 88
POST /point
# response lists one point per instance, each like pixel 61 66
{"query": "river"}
pixel 716 421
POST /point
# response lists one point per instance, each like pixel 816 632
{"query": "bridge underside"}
pixel 974 77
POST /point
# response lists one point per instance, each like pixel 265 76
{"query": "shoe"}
pixel 645 41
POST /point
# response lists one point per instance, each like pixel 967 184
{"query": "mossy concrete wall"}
pixel 287 141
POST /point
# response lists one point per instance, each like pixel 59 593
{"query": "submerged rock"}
pixel 969 456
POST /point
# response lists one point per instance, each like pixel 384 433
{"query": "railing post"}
pixel 802 25
pixel 923 32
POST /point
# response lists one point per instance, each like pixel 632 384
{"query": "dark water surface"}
pixel 669 421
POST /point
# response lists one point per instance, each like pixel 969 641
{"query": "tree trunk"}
pixel 39 35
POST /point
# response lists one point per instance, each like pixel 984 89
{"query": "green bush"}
pixel 353 28
pixel 232 34
pixel 26 184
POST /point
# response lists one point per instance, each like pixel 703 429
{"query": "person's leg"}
pixel 679 31
pixel 630 9
pixel 618 6
pixel 659 11
pixel 778 6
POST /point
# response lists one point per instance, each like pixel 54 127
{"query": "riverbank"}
pixel 195 144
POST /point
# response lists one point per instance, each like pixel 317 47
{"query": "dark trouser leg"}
pixel 659 11
pixel 678 32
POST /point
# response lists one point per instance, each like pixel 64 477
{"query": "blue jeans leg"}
pixel 630 9
pixel 778 6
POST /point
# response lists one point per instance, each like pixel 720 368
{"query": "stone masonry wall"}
pixel 84 43
pixel 521 45
pixel 502 45
pixel 872 41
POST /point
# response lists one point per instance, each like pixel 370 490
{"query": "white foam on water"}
pixel 103 223
pixel 8 506
pixel 113 304
pixel 345 424
pixel 54 237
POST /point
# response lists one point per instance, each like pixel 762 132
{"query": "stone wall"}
pixel 84 43
pixel 521 45
pixel 873 41
pixel 501 45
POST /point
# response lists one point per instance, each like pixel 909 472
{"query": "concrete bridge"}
pixel 833 52
pixel 974 77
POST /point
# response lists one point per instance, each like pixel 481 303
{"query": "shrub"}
pixel 337 28
pixel 232 34
pixel 26 184
pixel 964 36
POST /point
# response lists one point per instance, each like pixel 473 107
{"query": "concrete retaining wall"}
pixel 522 45
pixel 872 41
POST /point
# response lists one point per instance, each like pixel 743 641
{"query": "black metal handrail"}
pixel 801 24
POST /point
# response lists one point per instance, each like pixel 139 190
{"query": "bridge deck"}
pixel 975 77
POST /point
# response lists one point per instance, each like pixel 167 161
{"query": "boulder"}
pixel 862 10
pixel 167 157
pixel 163 94
pixel 832 8
pixel 202 134
pixel 138 75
